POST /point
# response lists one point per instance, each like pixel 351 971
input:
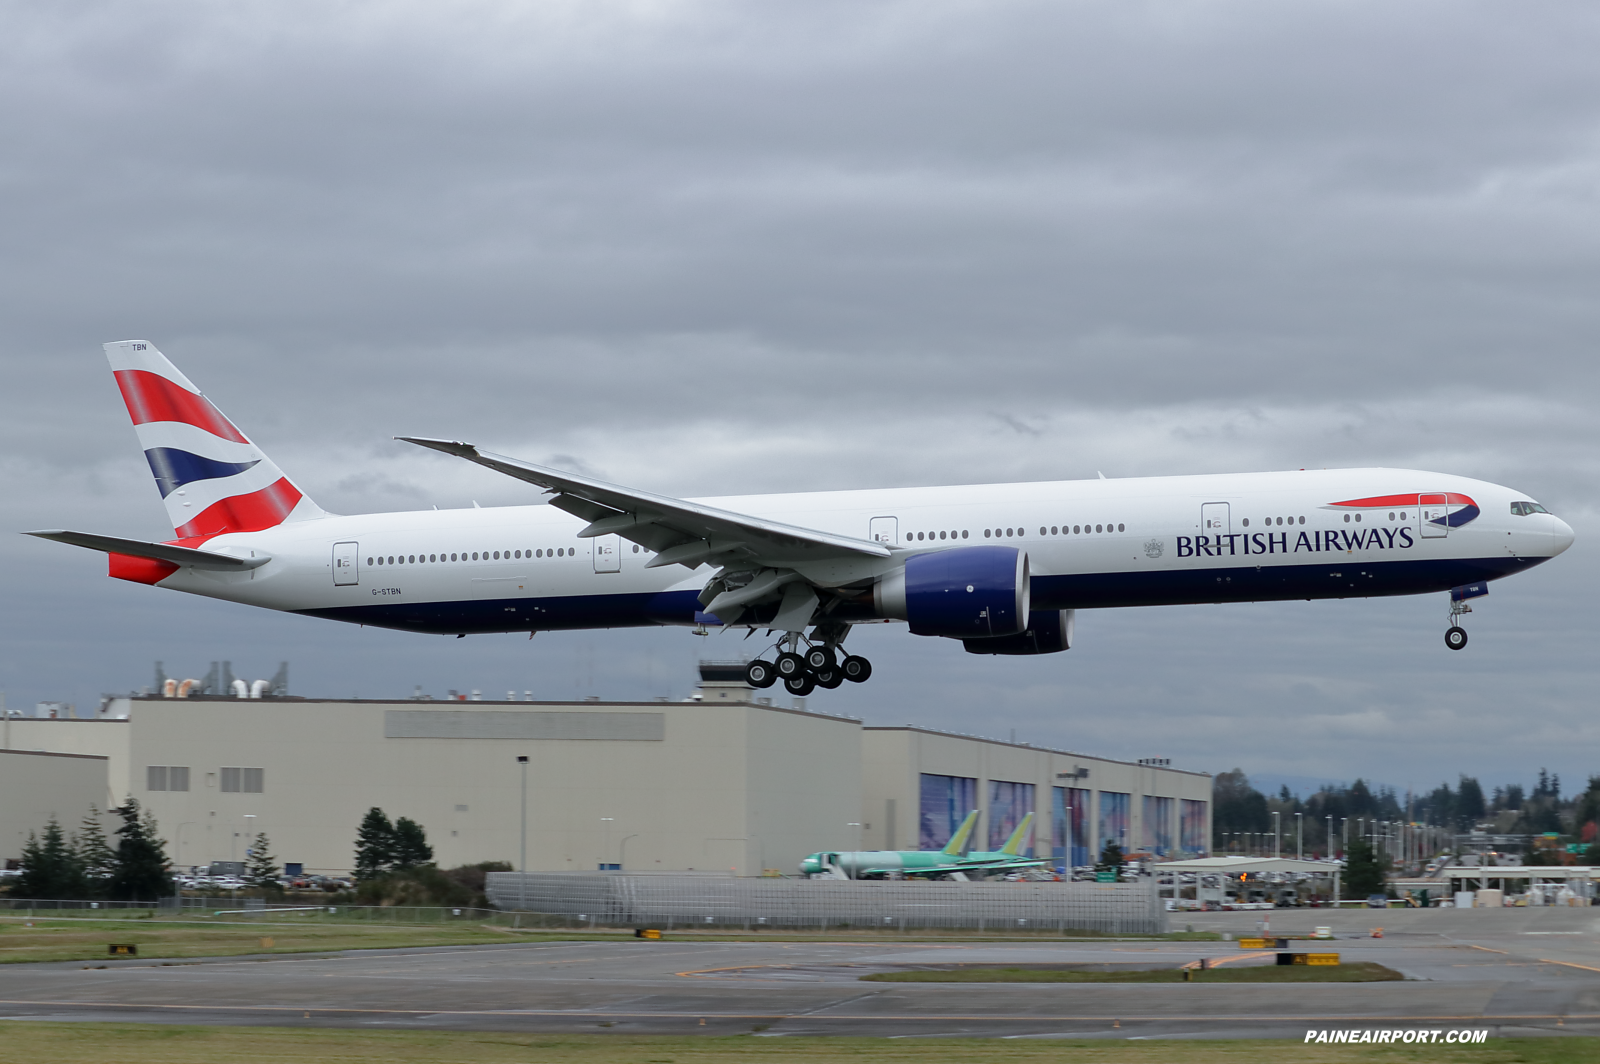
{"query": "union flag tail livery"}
pixel 212 478
pixel 1000 568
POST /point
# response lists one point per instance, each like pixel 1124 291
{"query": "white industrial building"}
pixel 722 782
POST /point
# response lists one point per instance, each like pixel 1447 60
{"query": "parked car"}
pixel 1377 901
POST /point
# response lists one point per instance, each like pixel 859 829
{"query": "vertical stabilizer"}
pixel 212 478
pixel 958 842
pixel 1013 845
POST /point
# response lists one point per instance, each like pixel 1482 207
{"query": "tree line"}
pixel 85 865
pixel 1239 808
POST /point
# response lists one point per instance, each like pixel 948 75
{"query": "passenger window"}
pixel 1122 528
pixel 963 533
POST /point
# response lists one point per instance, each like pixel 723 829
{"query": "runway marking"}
pixel 1569 964
pixel 942 1017
pixel 1217 962
pixel 1486 949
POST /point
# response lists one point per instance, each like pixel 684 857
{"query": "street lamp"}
pixel 522 862
pixel 605 847
pixel 857 826
pixel 1299 837
pixel 622 851
pixel 1277 835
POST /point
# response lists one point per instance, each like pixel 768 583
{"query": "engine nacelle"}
pixel 1047 633
pixel 962 593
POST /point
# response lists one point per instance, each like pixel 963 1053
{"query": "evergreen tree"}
pixel 50 867
pixel 99 860
pixel 410 844
pixel 375 845
pixel 1110 859
pixel 262 869
pixel 142 872
pixel 1469 803
pixel 1365 870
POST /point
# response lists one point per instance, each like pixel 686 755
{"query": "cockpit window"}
pixel 1523 509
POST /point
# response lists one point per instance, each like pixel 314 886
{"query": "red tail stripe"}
pixel 1408 500
pixel 151 397
pixel 244 513
pixel 139 570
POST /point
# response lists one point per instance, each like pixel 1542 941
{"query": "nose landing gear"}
pixel 1455 637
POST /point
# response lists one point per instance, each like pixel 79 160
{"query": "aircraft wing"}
pixel 167 552
pixel 679 532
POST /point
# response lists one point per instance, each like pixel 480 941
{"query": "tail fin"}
pixel 213 479
pixel 958 842
pixel 1013 844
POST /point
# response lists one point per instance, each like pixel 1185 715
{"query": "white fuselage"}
pixel 1250 536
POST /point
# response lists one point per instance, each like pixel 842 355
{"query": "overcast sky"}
pixel 716 248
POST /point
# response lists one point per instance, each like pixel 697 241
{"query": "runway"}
pixel 1513 971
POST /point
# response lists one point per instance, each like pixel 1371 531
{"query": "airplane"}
pixel 1001 568
pixel 951 862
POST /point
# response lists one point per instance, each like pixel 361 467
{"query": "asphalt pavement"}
pixel 1512 971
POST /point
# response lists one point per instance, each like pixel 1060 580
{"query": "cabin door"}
pixel 1214 519
pixel 607 554
pixel 345 569
pixel 885 530
pixel 1433 516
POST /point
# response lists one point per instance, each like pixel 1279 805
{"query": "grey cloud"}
pixel 718 248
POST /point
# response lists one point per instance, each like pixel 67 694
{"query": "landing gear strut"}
pixel 1455 637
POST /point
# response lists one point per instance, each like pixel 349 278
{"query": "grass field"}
pixel 90 1043
pixel 63 937
pixel 1365 972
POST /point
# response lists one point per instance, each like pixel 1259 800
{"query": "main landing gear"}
pixel 818 666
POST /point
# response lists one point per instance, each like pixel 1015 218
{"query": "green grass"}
pixel 85 934
pixel 95 1043
pixel 1365 972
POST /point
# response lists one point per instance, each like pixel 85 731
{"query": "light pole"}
pixel 1299 837
pixel 605 850
pixel 622 851
pixel 1329 846
pixel 857 826
pixel 522 861
pixel 1277 835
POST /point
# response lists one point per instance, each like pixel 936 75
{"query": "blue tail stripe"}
pixel 174 468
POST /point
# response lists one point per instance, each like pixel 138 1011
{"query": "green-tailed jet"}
pixel 954 861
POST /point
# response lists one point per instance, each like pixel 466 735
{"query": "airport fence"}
pixel 665 900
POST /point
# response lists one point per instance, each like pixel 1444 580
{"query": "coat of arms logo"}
pixel 1153 548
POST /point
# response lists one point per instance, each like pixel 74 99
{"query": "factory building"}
pixel 723 782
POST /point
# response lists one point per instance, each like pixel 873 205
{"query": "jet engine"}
pixel 961 593
pixel 1047 633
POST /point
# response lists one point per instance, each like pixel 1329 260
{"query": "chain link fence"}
pixel 666 900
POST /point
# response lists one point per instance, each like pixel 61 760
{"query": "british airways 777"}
pixel 999 567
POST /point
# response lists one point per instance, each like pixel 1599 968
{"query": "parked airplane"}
pixel 955 861
pixel 1000 567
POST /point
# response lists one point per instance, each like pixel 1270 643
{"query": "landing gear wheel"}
pixel 856 670
pixel 800 685
pixel 1455 638
pixel 760 674
pixel 790 665
pixel 829 678
pixel 820 658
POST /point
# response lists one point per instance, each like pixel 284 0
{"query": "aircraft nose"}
pixel 1563 534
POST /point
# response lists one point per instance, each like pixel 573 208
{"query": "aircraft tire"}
pixel 800 685
pixel 856 670
pixel 829 678
pixel 1455 637
pixel 790 665
pixel 760 674
pixel 820 659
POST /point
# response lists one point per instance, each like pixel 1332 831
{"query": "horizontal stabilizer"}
pixel 166 552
